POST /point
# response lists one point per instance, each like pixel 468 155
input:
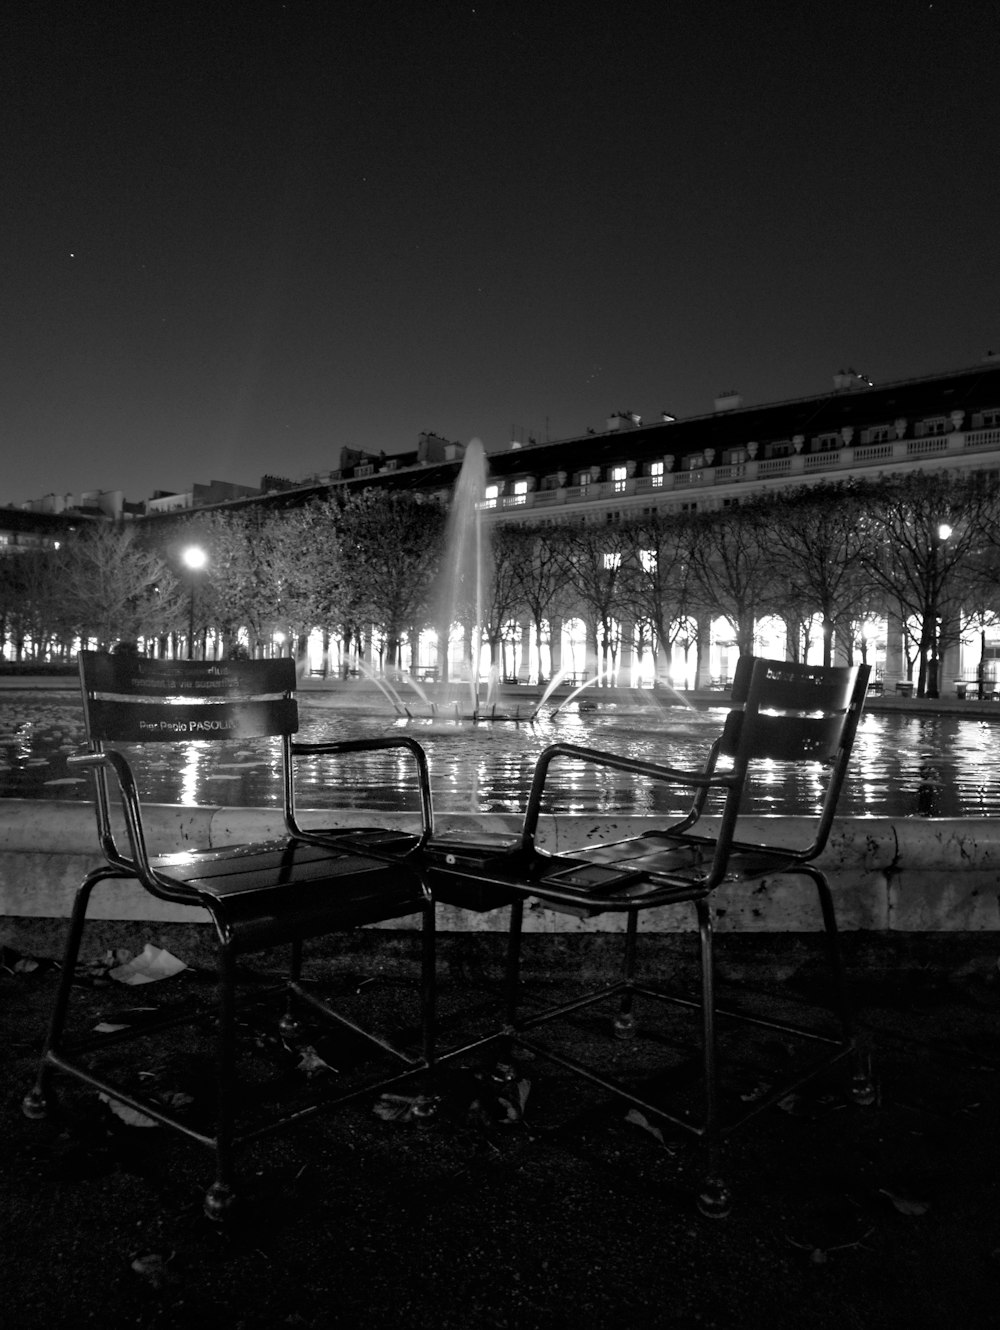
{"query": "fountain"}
pixel 386 688
pixel 587 683
pixel 467 568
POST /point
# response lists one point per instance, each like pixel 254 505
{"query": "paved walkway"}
pixel 845 1218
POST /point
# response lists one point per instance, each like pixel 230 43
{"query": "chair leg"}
pixel 714 1198
pixel 220 1197
pixel 831 937
pixel 624 1020
pixel 512 980
pixel 289 1026
pixel 863 1090
pixel 36 1103
pixel 428 986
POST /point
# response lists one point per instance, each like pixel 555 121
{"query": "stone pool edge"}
pixel 891 876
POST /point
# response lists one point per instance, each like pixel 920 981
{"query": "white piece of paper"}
pixel 151 964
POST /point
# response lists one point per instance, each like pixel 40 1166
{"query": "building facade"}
pixel 855 431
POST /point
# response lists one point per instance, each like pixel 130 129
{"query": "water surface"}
pixel 902 766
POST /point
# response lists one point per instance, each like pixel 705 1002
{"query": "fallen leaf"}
pixel 130 1116
pixel 310 1062
pixel 515 1098
pixel 125 1020
pixel 906 1205
pixel 755 1091
pixel 153 1266
pixel 640 1120
pixel 406 1108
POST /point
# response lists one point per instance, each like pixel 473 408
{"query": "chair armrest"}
pixel 700 781
pixel 337 747
pixel 117 764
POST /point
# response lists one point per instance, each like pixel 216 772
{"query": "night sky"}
pixel 238 236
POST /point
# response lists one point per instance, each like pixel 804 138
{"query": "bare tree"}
pixel 390 545
pixel 660 576
pixel 922 533
pixel 596 560
pixel 816 536
pixel 733 569
pixel 33 604
pixel 503 600
pixel 534 556
pixel 114 587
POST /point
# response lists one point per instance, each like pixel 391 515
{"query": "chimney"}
pixel 728 400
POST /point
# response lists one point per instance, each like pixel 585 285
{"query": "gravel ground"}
pixel 573 1216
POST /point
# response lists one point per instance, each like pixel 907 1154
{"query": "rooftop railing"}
pixel 842 461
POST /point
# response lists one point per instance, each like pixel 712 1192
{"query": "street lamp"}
pixel 195 560
pixel 940 535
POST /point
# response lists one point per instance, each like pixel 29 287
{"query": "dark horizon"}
pixel 240 239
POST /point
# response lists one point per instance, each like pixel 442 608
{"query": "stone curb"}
pixel 902 875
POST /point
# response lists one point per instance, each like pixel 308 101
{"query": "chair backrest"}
pixel 799 714
pixel 129 699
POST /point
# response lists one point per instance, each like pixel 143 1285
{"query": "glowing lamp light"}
pixel 195 558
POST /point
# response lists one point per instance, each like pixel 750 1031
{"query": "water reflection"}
pixel 903 765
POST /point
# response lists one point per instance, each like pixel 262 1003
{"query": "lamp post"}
pixel 195 560
pixel 938 537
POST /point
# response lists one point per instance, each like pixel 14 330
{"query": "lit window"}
pixel 647 560
pixel 613 560
pixel 490 496
pixel 520 491
pixel 619 475
pixel 656 473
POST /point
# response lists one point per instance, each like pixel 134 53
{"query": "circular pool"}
pixel 903 765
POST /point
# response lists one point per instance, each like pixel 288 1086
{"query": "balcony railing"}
pixel 842 460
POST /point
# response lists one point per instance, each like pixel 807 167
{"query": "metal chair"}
pixel 303 885
pixel 781 713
